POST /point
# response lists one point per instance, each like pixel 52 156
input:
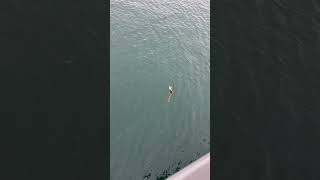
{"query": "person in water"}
pixel 170 93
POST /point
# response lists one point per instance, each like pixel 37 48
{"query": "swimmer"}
pixel 170 93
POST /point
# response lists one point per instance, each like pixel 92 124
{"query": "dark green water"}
pixel 155 44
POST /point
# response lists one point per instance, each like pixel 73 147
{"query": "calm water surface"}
pixel 155 44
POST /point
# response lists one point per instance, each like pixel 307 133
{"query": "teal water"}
pixel 155 44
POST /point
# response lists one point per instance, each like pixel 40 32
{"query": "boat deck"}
pixel 199 169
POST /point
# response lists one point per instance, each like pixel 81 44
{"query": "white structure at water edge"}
pixel 198 170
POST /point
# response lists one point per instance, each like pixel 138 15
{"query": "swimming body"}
pixel 170 93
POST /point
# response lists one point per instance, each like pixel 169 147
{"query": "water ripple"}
pixel 155 44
